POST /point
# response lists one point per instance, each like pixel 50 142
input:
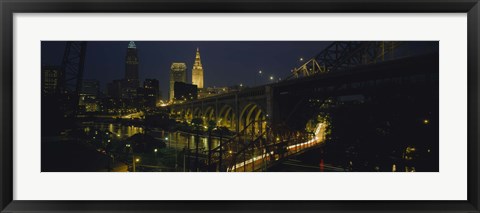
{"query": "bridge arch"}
pixel 226 117
pixel 209 114
pixel 253 118
pixel 197 112
pixel 180 113
pixel 188 114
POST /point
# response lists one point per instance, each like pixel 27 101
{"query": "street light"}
pixel 135 161
pixel 260 77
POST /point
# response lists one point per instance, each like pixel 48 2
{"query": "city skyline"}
pixel 229 62
pixel 352 108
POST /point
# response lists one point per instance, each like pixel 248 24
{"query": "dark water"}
pixel 177 140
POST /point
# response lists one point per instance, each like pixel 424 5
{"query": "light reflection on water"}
pixel 175 140
pixel 118 129
pixel 183 140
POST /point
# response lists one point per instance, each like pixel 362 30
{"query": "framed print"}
pixel 253 106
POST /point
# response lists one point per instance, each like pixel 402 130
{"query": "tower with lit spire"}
pixel 197 71
pixel 131 66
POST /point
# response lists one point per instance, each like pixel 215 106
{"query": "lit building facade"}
pixel 197 71
pixel 51 79
pixel 178 73
pixel 89 101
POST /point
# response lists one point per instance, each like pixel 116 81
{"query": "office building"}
pixel 178 73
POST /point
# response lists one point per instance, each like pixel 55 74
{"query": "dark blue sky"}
pixel 225 63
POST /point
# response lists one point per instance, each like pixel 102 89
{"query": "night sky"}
pixel 225 63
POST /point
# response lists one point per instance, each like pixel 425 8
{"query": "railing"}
pixel 272 150
pixel 253 150
pixel 232 144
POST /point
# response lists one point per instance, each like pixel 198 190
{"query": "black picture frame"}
pixel 9 7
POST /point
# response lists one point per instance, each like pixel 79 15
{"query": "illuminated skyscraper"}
pixel 131 66
pixel 197 71
pixel 178 73
pixel 131 82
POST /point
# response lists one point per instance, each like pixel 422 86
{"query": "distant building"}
pixel 114 89
pixel 178 73
pixel 151 92
pixel 90 87
pixel 51 79
pixel 89 92
pixel 185 92
pixel 197 71
pixel 131 81
pixel 131 66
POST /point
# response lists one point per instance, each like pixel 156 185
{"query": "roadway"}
pixel 266 159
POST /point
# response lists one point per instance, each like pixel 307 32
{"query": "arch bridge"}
pixel 288 104
pixel 232 110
